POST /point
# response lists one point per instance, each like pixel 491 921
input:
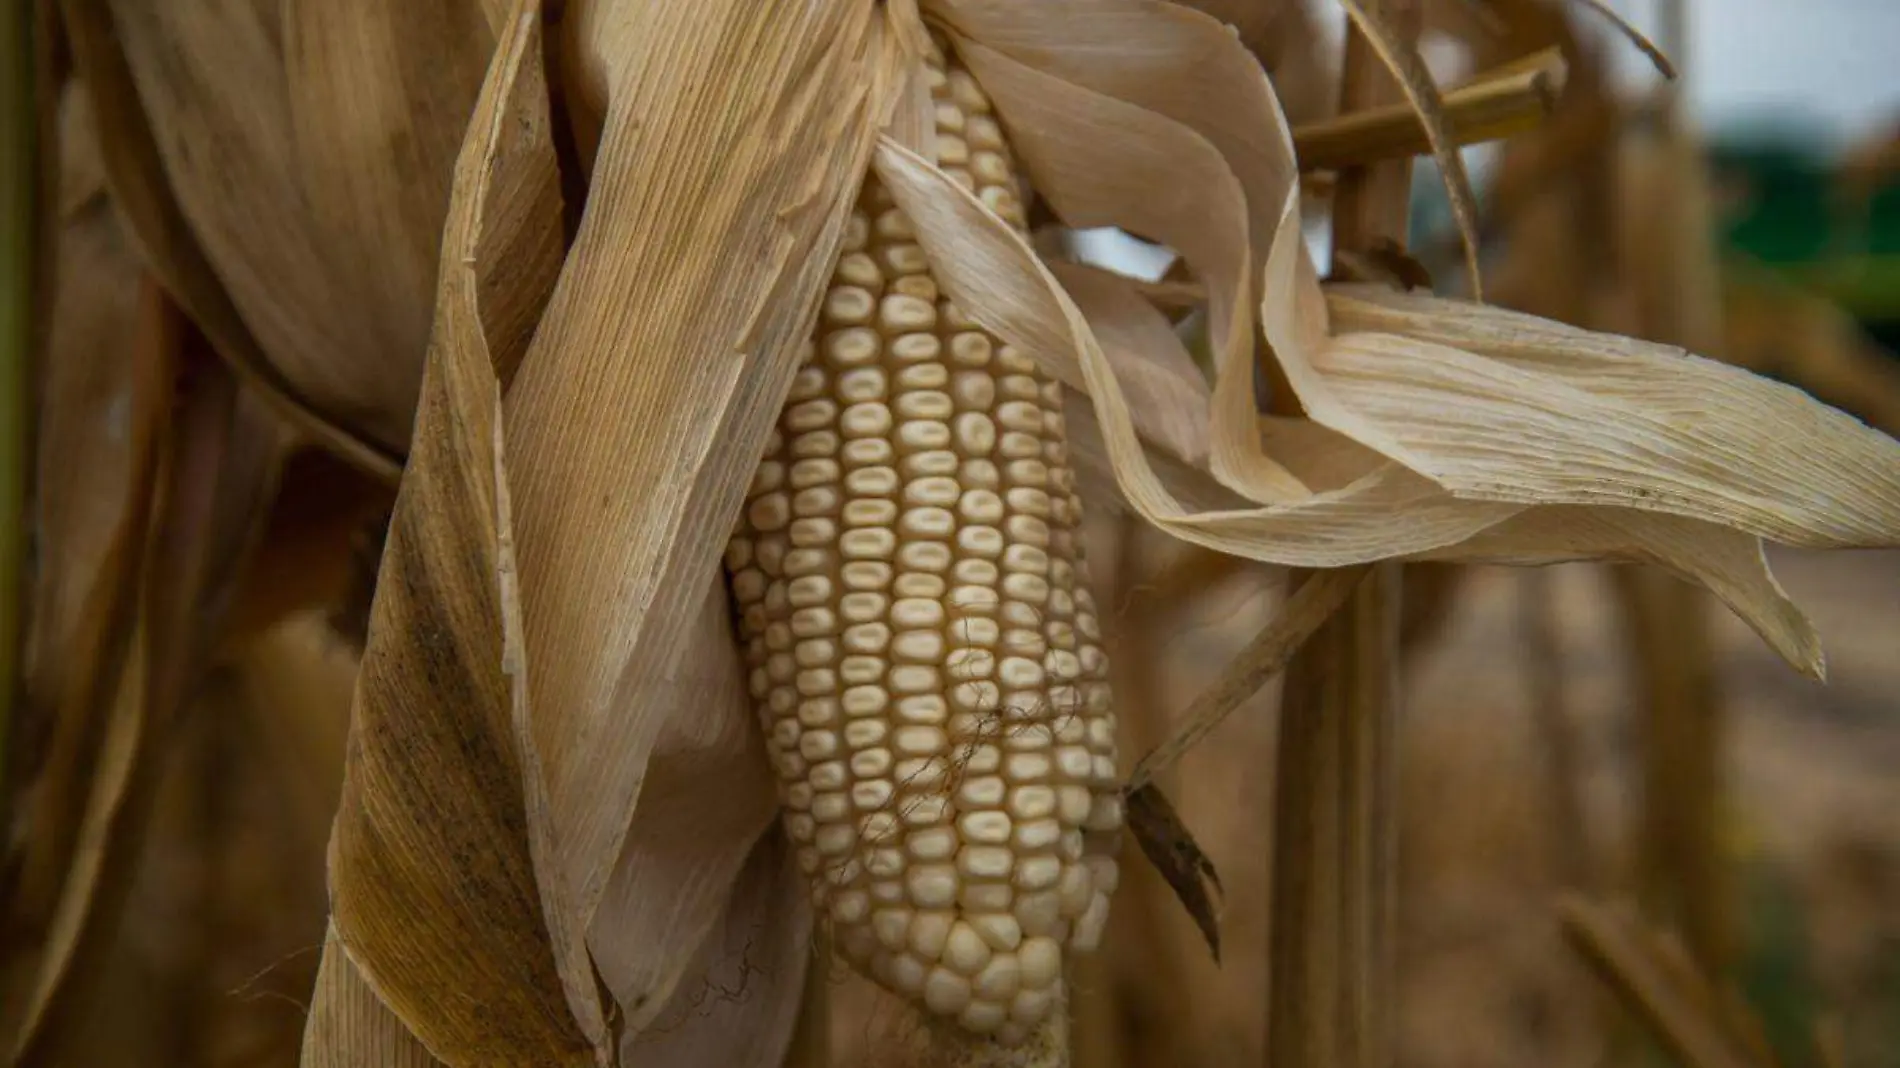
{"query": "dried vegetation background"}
pixel 1535 704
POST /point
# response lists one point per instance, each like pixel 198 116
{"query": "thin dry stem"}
pixel 1504 102
pixel 1264 657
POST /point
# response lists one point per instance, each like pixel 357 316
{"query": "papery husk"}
pixel 733 136
pixel 1420 503
pixel 286 168
pixel 435 904
pixel 742 1005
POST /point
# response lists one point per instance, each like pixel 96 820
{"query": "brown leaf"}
pixel 136 172
pixel 349 1026
pixel 1171 848
pixel 433 885
pixel 219 467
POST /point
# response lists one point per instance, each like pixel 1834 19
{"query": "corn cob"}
pixel 919 631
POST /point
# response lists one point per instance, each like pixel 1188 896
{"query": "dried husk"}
pixel 435 906
pixel 634 425
pixel 1634 440
pixel 286 169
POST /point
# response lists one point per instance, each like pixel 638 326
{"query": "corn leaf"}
pixel 1605 419
pixel 433 875
pixel 349 1024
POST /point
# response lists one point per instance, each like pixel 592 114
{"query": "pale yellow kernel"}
pixel 828 776
pixel 927 709
pixel 965 952
pixel 865 451
pixel 865 733
pixel 983 133
pixel 872 794
pixel 771 552
pixel 921 286
pixel 832 807
pixel 986 898
pixel 849 306
pixel 1016 445
pixel 932 886
pixel 817 682
pixel 865 700
pixel 815 444
pixel 818 712
pixel 1029 1007
pixel 982 758
pixel 1027 767
pixel 865 638
pixel 867 419
pixel 1029 589
pixel 907 974
pixel 922 774
pixel 857 227
pixel 912 740
pixel 865 576
pixel 949 120
pixel 951 151
pixel 946 992
pixel 868 543
pixel 818 500
pixel 865 384
pixel 913 679
pixel 914 585
pixel 924 350
pixel 972 349
pixel 861 670
pixel 986 828
pixel 926 810
pixel 806 562
pixel 918 647
pixel 770 512
pixel 903 258
pixel 976 698
pixel 835 839
pixel 801 826
pixel 858 269
pixel 982 791
pixel 973 572
pixel 999 980
pixel 871 763
pixel 929 931
pixel 1102 773
pixel 1019 673
pixel 1040 913
pixel 1039 834
pixel 809 382
pixel 850 907
pixel 1073 804
pixel 985 1017
pixel 936 492
pixel 935 523
pixel 1027 500
pixel 892 927
pixel 931 556
pixel 1037 873
pixel 900 313
pixel 1037 801
pixel 969 664
pixel 973 391
pixel 999 929
pixel 872 512
pixel 930 404
pixel 749 585
pixel 934 462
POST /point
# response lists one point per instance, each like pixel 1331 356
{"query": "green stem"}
pixel 19 230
